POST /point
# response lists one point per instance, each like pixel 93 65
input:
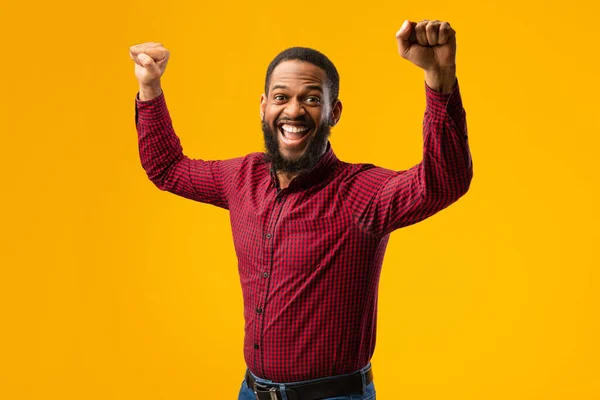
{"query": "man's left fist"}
pixel 430 45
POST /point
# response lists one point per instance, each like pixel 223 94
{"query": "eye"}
pixel 313 99
pixel 279 97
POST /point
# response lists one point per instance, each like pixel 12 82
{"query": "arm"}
pixel 160 149
pixel 168 168
pixel 382 200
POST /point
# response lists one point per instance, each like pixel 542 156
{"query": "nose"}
pixel 294 109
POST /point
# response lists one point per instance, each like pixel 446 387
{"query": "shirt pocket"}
pixel 306 244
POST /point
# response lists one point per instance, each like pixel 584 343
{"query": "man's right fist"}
pixel 150 62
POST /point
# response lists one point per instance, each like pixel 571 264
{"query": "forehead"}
pixel 295 72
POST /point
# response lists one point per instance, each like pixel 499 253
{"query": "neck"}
pixel 285 177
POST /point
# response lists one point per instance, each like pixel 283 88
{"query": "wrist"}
pixel 149 92
pixel 441 79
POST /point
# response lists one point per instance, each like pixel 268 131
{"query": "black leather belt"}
pixel 331 387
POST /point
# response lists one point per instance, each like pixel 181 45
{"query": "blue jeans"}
pixel 368 392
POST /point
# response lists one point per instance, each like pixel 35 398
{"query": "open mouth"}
pixel 293 134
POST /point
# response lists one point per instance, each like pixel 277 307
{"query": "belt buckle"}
pixel 272 391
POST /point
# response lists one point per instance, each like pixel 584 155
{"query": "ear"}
pixel 336 112
pixel 263 106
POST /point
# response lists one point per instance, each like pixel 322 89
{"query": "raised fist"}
pixel 150 62
pixel 430 45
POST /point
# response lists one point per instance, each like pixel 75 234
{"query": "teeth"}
pixel 294 129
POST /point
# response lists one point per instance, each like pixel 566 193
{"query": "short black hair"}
pixel 312 56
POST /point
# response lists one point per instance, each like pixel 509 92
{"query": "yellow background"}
pixel 112 289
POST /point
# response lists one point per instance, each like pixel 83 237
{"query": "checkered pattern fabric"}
pixel 310 255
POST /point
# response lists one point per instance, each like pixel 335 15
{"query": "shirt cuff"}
pixel 438 104
pixel 150 110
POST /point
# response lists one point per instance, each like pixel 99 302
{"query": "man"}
pixel 309 230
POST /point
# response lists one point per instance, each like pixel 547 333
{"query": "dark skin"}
pixel 299 99
pixel 304 100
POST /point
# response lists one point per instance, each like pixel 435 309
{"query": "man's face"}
pixel 297 115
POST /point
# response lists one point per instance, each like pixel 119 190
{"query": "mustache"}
pixel 302 121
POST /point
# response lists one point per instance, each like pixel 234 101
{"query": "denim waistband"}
pixel 363 372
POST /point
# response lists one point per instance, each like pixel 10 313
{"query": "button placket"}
pixel 269 243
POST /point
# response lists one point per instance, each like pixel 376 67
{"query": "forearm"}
pixel 447 164
pixel 150 92
pixel 159 147
pixel 441 80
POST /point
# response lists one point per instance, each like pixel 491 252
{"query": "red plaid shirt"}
pixel 309 256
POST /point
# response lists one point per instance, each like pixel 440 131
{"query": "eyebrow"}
pixel 309 87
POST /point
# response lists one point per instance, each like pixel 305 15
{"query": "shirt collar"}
pixel 321 170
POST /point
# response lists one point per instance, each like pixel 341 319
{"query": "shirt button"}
pixel 265 274
pixel 279 199
pixel 259 310
pixel 269 236
pixel 256 346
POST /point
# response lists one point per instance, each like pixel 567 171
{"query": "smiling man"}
pixel 309 230
pixel 298 110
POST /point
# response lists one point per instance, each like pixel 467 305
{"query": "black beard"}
pixel 306 161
